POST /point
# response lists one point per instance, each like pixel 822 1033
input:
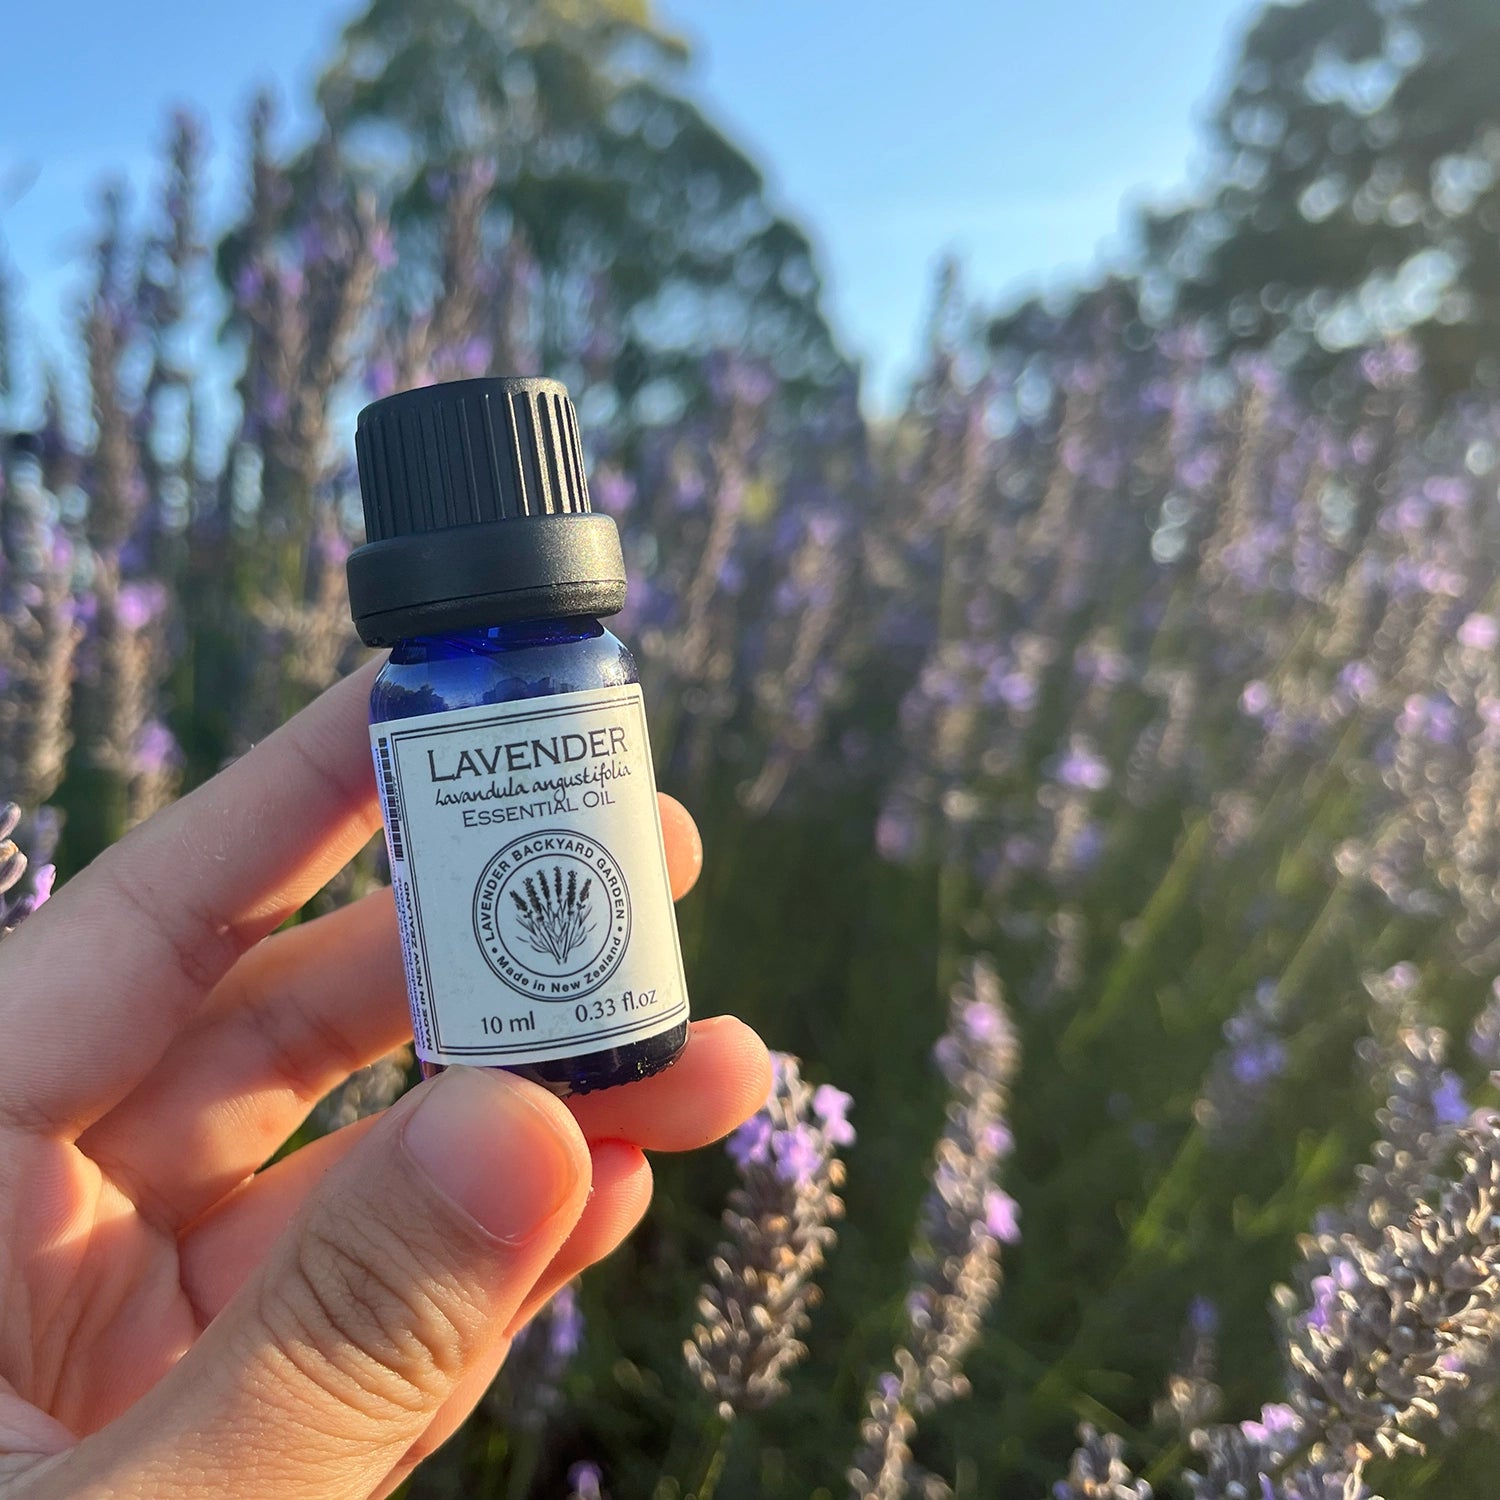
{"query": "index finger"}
pixel 97 983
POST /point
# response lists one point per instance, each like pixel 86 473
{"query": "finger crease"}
pixel 347 792
pixel 202 971
pixel 299 1043
pixel 151 1207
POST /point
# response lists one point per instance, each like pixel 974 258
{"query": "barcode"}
pixel 388 791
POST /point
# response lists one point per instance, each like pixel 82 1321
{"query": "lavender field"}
pixel 1099 771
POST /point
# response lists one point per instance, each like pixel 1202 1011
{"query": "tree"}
pixel 646 235
pixel 1357 186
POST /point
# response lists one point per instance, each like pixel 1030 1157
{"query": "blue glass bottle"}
pixel 510 743
pixel 523 659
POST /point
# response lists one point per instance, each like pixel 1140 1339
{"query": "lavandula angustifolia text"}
pixel 1198 738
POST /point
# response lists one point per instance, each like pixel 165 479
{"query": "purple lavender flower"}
pixel 565 1323
pixel 23 886
pixel 1098 1471
pixel 779 1232
pixel 1484 1035
pixel 585 1481
pixel 1257 699
pixel 528 1389
pixel 1081 768
pixel 1479 633
pixel 1431 716
pixel 138 604
pixel 1277 1423
pixel 1193 1398
pixel 1256 1460
pixel 1002 1216
pixel 751 1142
pixel 1449 1106
pixel 1387 1348
pixel 736 379
pixel 1203 1317
pixel 381 376
pixel 156 749
pixel 798 1153
pixel 1243 1073
pixel 383 248
pixel 1418 1123
pixel 1358 680
pixel 896 834
pixel 965 1217
pixel 832 1106
pixel 248 281
pixel 1257 1062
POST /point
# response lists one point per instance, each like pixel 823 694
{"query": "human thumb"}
pixel 390 1286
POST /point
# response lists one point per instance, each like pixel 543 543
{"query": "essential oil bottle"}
pixel 510 743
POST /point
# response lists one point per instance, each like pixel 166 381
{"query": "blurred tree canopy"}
pixel 1356 191
pixel 620 220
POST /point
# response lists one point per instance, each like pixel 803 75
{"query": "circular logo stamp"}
pixel 552 914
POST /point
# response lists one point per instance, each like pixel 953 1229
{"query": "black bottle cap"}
pixel 477 512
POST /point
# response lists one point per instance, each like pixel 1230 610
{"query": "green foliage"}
pixel 648 228
pixel 1356 188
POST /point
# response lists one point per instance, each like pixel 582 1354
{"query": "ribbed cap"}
pixel 477 511
pixel 467 452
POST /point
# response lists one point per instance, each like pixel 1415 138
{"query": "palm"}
pixel 98 1308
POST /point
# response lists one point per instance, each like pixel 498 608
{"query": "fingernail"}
pixel 494 1153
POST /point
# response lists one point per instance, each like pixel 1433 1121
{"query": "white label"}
pixel 530 878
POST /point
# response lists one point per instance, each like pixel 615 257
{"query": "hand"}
pixel 177 1323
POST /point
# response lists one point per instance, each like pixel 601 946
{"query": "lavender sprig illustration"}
pixel 556 920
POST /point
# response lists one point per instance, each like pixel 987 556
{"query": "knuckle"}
pixel 370 1319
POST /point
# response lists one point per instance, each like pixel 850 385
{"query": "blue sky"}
pixel 1011 132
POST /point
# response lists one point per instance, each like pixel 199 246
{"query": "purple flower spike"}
pixel 779 1230
pixel 1002 1217
pixel 1448 1102
pixel 1082 769
pixel 585 1481
pixel 565 1326
pixel 1099 1471
pixel 831 1106
pixel 965 1217
pixel 1479 633
pixel 751 1143
pixel 24 883
pixel 798 1153
pixel 138 604
pixel 529 1389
